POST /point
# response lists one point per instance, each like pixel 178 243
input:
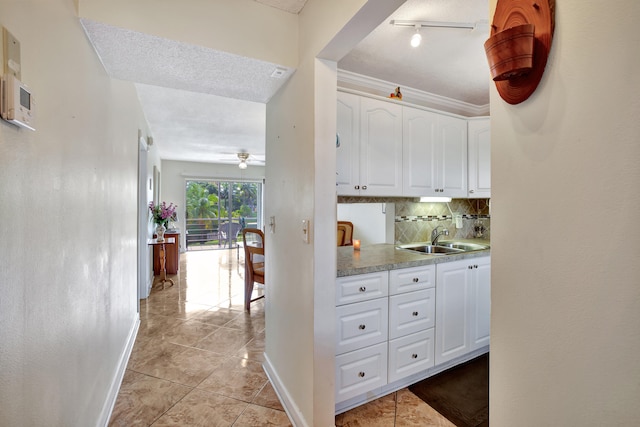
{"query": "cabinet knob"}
pixel 475 266
pixel 362 327
pixel 471 191
pixel 470 267
pixel 415 313
pixel 357 187
pixel 364 187
pixel 416 280
pixel 361 374
pixel 362 288
pixel 414 356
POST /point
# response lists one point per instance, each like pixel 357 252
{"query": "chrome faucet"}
pixel 435 235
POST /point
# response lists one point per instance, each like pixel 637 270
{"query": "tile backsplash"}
pixel 414 220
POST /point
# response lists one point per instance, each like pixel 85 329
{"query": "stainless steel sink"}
pixel 430 249
pixel 443 248
pixel 464 246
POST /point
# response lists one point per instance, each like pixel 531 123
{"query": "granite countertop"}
pixel 385 256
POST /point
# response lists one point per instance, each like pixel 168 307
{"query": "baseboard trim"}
pixel 292 410
pixel 110 402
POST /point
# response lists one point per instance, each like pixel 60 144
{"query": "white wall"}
pixel 372 222
pixel 174 176
pixel 300 175
pixel 68 212
pixel 565 334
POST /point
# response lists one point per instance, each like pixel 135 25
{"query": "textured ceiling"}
pixel 201 104
pixel 206 105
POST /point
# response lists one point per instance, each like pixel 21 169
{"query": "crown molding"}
pixel 354 81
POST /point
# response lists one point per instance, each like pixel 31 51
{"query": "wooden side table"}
pixel 163 257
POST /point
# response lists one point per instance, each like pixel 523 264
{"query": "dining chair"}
pixel 228 233
pixel 346 229
pixel 253 240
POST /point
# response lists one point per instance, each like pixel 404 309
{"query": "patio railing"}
pixel 216 233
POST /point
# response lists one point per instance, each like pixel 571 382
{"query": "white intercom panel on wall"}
pixel 17 103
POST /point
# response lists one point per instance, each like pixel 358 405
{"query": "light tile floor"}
pixel 197 359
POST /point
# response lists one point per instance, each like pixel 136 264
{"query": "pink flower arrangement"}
pixel 161 214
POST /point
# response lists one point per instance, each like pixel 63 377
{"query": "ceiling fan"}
pixel 243 158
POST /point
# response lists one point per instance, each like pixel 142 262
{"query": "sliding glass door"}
pixel 217 211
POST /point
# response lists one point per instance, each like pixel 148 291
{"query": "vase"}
pixel 160 229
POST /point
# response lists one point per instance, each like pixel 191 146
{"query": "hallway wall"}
pixel 565 324
pixel 68 213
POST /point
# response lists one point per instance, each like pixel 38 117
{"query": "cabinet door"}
pixel 361 324
pixel 361 371
pixel 348 150
pixel 419 131
pixel 381 148
pixel 453 156
pixel 362 287
pixel 479 147
pixel 411 279
pixel 452 312
pixel 480 306
pixel 410 354
pixel 411 312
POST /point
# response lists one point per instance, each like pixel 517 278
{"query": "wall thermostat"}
pixel 17 103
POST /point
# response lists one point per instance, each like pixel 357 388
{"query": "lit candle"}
pixel 356 244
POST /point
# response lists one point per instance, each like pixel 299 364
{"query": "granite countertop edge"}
pixel 385 256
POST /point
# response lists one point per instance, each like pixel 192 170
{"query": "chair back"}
pixel 253 239
pixel 345 229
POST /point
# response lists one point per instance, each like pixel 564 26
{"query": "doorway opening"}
pixel 217 212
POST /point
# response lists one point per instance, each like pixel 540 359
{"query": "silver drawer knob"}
pixel 416 280
pixel 361 374
pixel 362 288
pixel 415 313
pixel 362 327
pixel 414 356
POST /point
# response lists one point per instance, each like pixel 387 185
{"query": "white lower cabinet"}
pixel 411 354
pixel 395 324
pixel 360 371
pixel 411 312
pixel 361 324
pixel 463 307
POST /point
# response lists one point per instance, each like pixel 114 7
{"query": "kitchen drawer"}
pixel 412 279
pixel 361 371
pixel 411 354
pixel 361 324
pixel 362 287
pixel 411 312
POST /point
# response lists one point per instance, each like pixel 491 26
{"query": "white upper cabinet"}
pixel 453 156
pixel 369 152
pixel 479 158
pixel 387 149
pixel 419 166
pixel 435 154
pixel 381 148
pixel 348 144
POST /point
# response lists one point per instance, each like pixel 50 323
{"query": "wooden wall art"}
pixel 519 45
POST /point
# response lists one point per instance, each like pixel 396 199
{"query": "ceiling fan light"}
pixel 243 160
pixel 416 39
